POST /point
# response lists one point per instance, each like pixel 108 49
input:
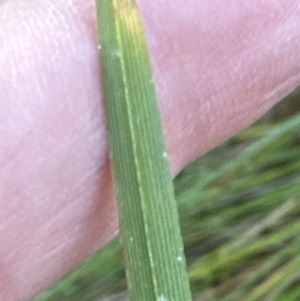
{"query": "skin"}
pixel 218 66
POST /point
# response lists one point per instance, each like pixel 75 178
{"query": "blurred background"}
pixel 239 208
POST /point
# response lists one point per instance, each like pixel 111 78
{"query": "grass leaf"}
pixel 148 215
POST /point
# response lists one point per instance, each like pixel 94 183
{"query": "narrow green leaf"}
pixel 148 216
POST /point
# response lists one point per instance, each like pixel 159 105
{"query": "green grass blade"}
pixel 274 280
pixel 148 215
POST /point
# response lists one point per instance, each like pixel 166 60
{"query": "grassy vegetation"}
pixel 239 208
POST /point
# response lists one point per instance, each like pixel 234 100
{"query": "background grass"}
pixel 239 208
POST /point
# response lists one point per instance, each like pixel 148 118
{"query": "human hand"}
pixel 218 66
